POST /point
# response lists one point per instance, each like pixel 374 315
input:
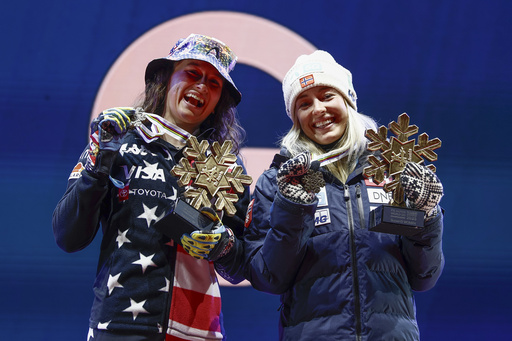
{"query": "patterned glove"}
pixel 210 245
pixel 107 131
pixel 112 124
pixel 298 179
pixel 422 188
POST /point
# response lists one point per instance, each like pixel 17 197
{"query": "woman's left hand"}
pixel 422 188
pixel 210 245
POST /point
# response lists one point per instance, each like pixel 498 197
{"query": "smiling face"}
pixel 195 88
pixel 322 114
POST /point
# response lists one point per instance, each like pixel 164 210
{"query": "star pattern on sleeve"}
pixel 145 261
pixel 149 214
pixel 136 308
pixel 104 325
pixel 113 282
pixel 151 169
pixel 121 238
pixel 166 287
pixel 90 334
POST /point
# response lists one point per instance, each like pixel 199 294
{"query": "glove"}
pixel 298 179
pixel 422 188
pixel 112 124
pixel 210 245
pixel 107 131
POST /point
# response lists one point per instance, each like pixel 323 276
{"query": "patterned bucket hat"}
pixel 200 47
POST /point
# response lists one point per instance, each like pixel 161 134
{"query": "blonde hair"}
pixel 353 140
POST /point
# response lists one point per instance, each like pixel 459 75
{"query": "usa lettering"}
pixel 134 149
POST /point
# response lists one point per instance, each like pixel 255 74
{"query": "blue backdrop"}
pixel 446 63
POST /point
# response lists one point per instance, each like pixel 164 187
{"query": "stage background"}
pixel 446 63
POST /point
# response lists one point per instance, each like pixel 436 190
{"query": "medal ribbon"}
pixel 332 156
pixel 160 127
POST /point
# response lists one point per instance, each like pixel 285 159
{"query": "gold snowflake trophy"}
pixel 395 153
pixel 212 179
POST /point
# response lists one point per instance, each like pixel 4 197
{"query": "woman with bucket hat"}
pixel 307 237
pixel 148 287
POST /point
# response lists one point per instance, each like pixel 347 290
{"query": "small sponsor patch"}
pixel 322 216
pixel 322 197
pixel 376 194
pixel 123 193
pixel 77 171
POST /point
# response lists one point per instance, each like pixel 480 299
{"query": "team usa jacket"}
pixel 145 282
pixel 337 279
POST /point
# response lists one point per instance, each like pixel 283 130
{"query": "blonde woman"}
pixel 337 279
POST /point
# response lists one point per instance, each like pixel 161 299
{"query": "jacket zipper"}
pixel 353 261
pixel 360 206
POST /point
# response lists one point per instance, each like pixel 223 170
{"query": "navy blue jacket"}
pixel 136 261
pixel 338 280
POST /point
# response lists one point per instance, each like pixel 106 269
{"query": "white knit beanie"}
pixel 317 69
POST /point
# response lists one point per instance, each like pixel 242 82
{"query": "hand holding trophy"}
pixel 212 180
pixel 401 157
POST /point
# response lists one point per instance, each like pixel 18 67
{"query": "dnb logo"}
pixel 376 194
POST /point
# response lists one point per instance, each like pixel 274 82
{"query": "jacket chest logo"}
pixel 376 194
pixel 322 214
pixel 149 171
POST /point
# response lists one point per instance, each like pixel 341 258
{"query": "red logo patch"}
pixel 123 193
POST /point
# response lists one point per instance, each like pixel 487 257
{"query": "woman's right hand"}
pixel 112 124
pixel 291 179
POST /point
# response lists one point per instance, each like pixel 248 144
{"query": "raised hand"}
pixel 112 124
pixel 291 179
pixel 422 188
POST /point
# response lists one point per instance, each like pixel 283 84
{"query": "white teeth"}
pixel 199 101
pixel 322 124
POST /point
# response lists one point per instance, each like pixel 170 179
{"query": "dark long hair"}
pixel 224 119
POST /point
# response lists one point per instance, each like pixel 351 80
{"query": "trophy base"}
pixel 396 220
pixel 183 218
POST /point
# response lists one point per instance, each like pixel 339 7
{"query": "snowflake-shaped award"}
pixel 395 153
pixel 212 177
